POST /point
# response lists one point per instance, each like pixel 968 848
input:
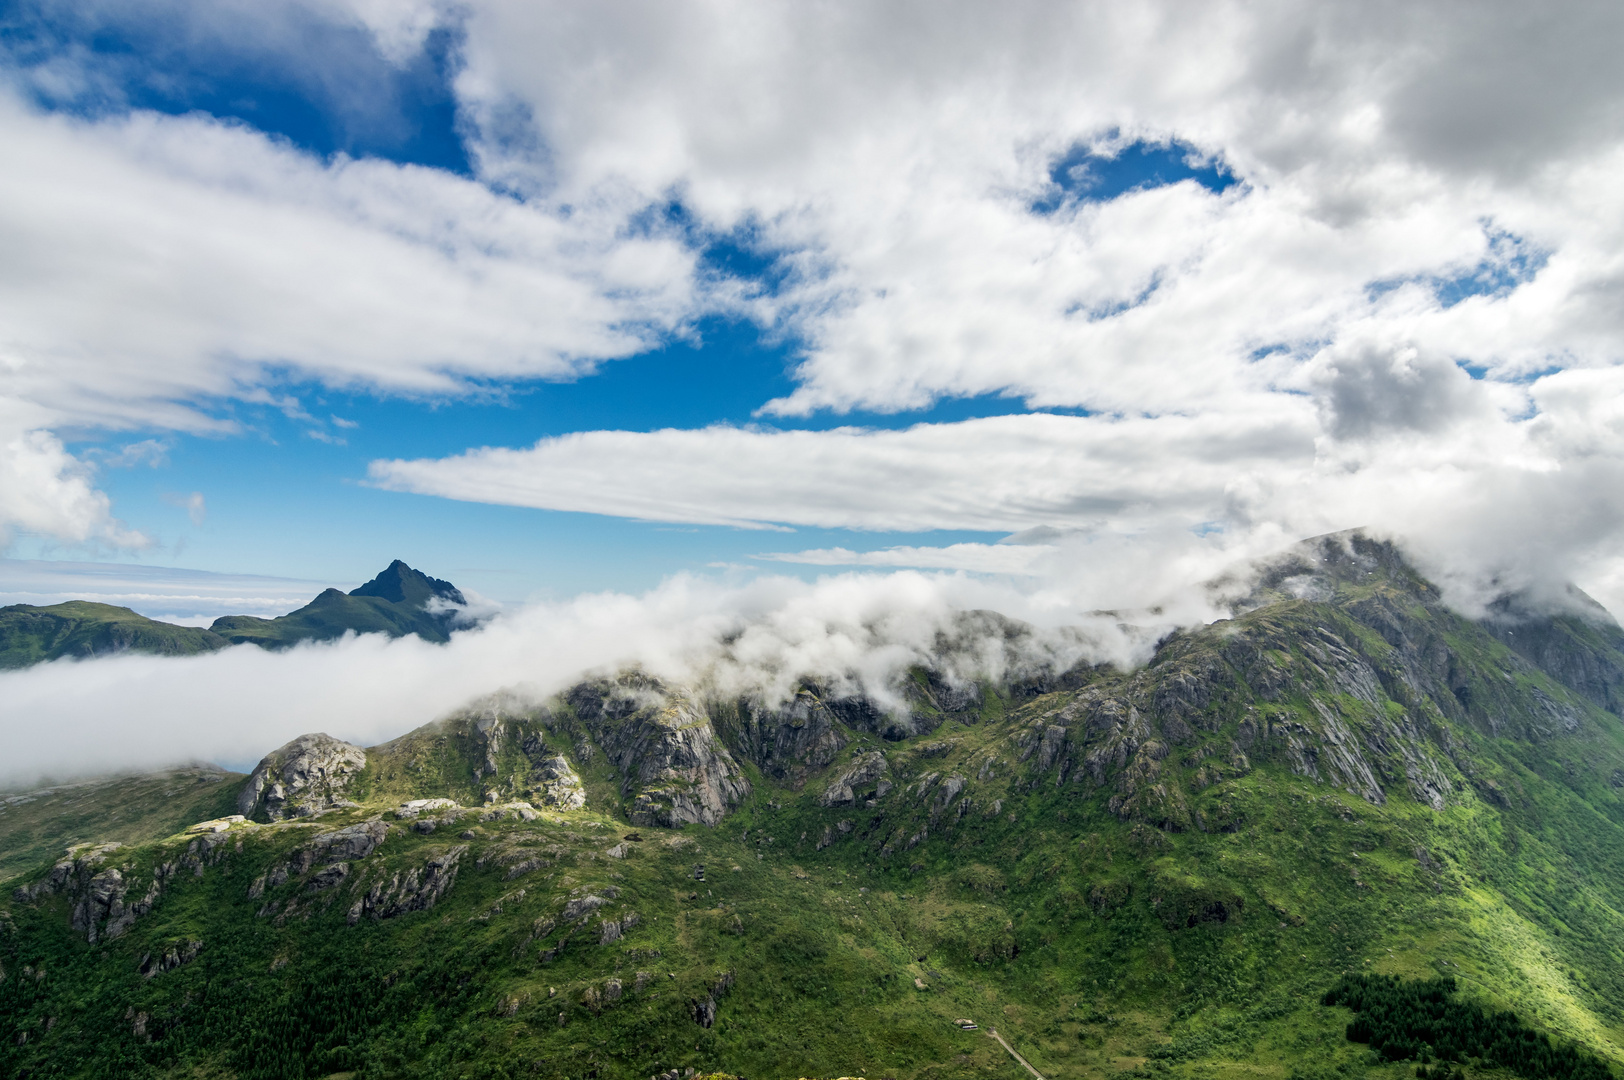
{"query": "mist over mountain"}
pixel 1157 867
pixel 865 452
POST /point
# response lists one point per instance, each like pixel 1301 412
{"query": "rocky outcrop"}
pixel 327 854
pixel 411 809
pixel 864 778
pixel 341 845
pixel 306 777
pixel 553 782
pixel 105 902
pixel 154 964
pixel 703 1009
pixel 788 742
pixel 406 891
pixel 674 769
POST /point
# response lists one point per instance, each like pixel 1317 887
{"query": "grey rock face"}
pixel 582 906
pixel 412 890
pixel 106 903
pixel 865 770
pixel 341 845
pixel 330 852
pixel 662 741
pixel 408 811
pixel 301 779
pixel 556 784
pixel 788 742
pixel 183 953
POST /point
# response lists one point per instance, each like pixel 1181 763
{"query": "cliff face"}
pixel 662 742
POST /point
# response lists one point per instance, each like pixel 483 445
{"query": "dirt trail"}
pixel 1005 1043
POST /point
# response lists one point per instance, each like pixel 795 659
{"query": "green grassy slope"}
pixel 394 603
pixel 1148 872
pixel 397 602
pixel 35 826
pixel 31 635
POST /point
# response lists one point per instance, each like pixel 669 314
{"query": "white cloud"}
pixel 1270 360
pixel 999 473
pixel 893 154
pixel 1490 483
pixel 194 597
pixel 153 269
pixel 857 632
pixel 44 489
pixel 195 505
pixel 976 558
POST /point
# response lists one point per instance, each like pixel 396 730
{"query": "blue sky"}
pixel 281 501
pixel 296 288
pixel 754 342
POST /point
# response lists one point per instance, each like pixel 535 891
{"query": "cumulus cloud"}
pixel 893 156
pixel 44 489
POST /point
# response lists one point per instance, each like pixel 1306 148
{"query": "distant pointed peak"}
pixel 400 584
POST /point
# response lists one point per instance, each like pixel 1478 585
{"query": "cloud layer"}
pixel 1405 313
pixel 858 633
pixel 192 597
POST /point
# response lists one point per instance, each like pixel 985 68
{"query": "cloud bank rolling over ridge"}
pixel 1384 286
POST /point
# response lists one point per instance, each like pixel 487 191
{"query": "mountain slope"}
pixel 79 628
pixel 397 602
pixel 36 825
pixel 1159 870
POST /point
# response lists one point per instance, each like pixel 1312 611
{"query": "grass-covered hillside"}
pixel 79 628
pixel 397 602
pixel 1162 871
pixel 36 825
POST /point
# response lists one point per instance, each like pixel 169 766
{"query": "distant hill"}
pixel 30 635
pixel 397 602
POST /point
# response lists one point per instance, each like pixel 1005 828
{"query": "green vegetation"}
pixel 1149 873
pixel 397 602
pixel 35 826
pixel 31 635
pixel 1420 1019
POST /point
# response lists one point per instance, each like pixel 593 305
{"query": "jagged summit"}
pixel 396 602
pixel 400 584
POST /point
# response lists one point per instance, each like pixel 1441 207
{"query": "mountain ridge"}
pixel 397 602
pixel 1160 870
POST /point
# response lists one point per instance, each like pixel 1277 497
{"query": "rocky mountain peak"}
pixel 400 584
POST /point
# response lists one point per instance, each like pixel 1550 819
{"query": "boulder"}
pixel 303 778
